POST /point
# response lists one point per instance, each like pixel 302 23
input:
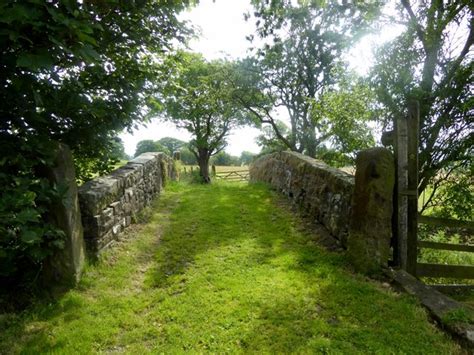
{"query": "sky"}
pixel 223 31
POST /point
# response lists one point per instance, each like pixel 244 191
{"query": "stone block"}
pixel 372 204
pixel 116 229
pixel 65 266
pixel 105 241
pixel 96 194
pixel 117 207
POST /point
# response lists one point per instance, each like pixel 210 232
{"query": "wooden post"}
pixel 402 184
pixel 213 167
pixel 412 186
pixel 393 141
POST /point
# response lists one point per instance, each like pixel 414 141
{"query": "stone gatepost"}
pixel 370 228
pixel 65 267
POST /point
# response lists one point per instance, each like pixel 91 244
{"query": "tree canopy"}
pixel 149 145
pixel 76 72
pixel 299 63
pixel 198 98
pixel 431 62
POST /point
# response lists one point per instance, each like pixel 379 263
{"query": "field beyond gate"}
pixel 239 174
pixel 223 268
pixel 227 173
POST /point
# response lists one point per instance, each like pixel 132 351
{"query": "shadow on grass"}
pixel 30 328
pixel 343 316
pixel 213 217
pixel 327 309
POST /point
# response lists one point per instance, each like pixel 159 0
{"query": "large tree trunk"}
pixel 203 161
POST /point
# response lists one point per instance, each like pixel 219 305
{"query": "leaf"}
pixel 38 100
pixel 30 237
pixel 86 38
pixel 28 215
pixel 89 53
pixel 34 61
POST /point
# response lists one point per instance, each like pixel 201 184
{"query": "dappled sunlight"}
pixel 224 268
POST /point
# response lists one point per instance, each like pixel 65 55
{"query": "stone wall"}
pixel 110 203
pixel 324 192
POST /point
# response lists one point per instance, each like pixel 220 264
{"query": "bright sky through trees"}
pixel 223 31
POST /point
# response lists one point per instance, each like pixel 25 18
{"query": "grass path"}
pixel 223 269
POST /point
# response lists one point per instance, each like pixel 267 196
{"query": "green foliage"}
pixel 247 157
pixel 148 145
pixel 342 116
pixel 172 144
pixel 26 235
pixel 90 165
pixel 77 72
pixel 224 159
pixel 451 193
pixel 188 157
pixel 199 99
pixel 303 46
pixel 460 315
pixel 269 140
pixel 333 157
pixel 430 62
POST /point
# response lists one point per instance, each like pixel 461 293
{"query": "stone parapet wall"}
pixel 110 203
pixel 324 192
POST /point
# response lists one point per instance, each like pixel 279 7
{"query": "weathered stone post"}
pixel 65 266
pixel 370 227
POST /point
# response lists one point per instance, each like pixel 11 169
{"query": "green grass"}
pixel 460 315
pixel 223 269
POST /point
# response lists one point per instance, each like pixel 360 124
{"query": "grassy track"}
pixel 223 269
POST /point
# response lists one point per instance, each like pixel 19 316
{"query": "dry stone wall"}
pixel 110 203
pixel 324 192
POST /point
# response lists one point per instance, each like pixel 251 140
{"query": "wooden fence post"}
pixel 402 184
pixel 412 186
pixel 406 147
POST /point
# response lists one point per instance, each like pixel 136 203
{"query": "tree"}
pixel 148 145
pixel 269 141
pixel 172 144
pixel 118 150
pixel 198 99
pixel 89 166
pixel 187 157
pixel 431 62
pixel 224 159
pixel 247 157
pixel 75 72
pixel 303 47
pixel 343 118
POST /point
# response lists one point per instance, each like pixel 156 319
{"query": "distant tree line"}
pixel 169 145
